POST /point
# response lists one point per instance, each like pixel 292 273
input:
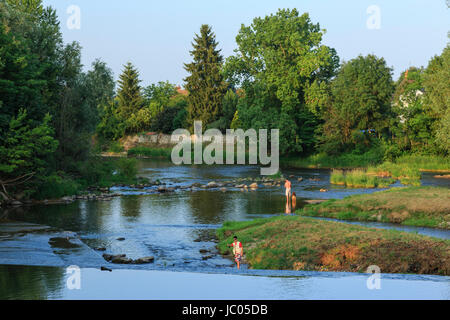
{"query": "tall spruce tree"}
pixel 205 83
pixel 129 94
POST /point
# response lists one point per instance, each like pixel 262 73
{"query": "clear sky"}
pixel 156 35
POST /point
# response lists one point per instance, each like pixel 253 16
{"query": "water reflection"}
pixel 31 283
pixel 49 283
pixel 172 227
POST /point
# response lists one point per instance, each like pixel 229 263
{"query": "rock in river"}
pixel 212 184
pixel 144 260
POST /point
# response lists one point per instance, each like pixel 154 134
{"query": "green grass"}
pixel 358 178
pixel 406 168
pixel 425 163
pixel 299 243
pixel 344 161
pixel 337 177
pixel 415 206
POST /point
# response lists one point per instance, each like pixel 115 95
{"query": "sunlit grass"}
pixel 418 206
pixel 299 243
pixel 359 178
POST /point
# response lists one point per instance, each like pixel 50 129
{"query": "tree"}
pixel 172 117
pixel 20 78
pixel 205 83
pixel 110 128
pixel 99 89
pixel 360 106
pixel 229 105
pixel 129 94
pixel 279 60
pixel 157 96
pixel 25 152
pixel 437 96
pixel 413 122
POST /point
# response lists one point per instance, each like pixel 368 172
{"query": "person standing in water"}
pixel 288 186
pixel 238 251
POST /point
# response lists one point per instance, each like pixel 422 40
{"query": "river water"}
pixel 174 227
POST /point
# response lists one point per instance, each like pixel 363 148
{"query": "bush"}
pixel 127 168
pixel 56 186
pixel 116 147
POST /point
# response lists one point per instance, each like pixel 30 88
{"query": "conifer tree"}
pixel 129 95
pixel 205 83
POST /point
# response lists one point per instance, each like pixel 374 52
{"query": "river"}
pixel 174 227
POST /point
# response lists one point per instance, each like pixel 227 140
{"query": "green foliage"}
pixel 173 116
pixel 437 87
pixel 25 151
pixel 347 160
pixel 205 83
pixel 130 99
pixel 360 106
pixel 413 126
pixel 284 70
pixel 115 147
pixel 229 105
pixel 127 168
pixel 157 96
pixel 56 185
pixel 111 127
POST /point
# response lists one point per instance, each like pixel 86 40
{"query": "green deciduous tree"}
pixel 413 122
pixel 157 96
pixel 437 98
pixel 25 152
pixel 282 66
pixel 205 83
pixel 360 106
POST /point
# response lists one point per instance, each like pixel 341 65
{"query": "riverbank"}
pixel 370 160
pixel 301 243
pixel 93 181
pixel 412 206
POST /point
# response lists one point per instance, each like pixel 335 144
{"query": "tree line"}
pixel 283 76
pixel 54 116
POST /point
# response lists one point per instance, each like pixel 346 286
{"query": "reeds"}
pixel 359 178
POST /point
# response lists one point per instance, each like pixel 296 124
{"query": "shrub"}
pixel 127 168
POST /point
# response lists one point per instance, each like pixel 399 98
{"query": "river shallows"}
pixel 174 228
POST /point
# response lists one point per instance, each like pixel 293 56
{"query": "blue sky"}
pixel 156 35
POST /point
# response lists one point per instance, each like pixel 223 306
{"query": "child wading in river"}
pixel 294 202
pixel 238 251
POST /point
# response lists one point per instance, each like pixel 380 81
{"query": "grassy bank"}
pixel 299 243
pixel 369 160
pixel 414 206
pixel 344 161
